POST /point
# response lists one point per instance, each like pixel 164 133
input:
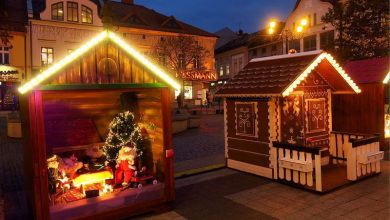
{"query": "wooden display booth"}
pixel 278 123
pixel 93 98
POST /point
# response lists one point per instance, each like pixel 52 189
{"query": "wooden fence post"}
pixel 317 164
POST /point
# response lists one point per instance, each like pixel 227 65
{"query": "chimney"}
pixel 128 2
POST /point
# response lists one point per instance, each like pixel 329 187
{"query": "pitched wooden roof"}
pixel 279 75
pixel 369 70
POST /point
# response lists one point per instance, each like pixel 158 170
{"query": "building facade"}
pixel 315 35
pixel 58 27
pixel 12 50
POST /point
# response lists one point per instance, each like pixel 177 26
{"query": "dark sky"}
pixel 213 15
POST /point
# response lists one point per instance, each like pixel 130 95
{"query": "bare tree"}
pixel 179 52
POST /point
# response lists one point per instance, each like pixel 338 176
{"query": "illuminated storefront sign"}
pixel 197 75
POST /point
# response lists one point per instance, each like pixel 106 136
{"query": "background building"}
pixel 315 35
pixel 58 27
pixel 13 19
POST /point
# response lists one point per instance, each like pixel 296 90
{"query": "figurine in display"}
pixel 70 165
pixel 125 165
pixel 95 158
pixel 52 166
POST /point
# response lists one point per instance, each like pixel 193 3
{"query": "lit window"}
pixel 57 11
pixel 72 8
pixel 227 69
pixel 46 56
pixel 187 90
pixel 4 55
pixel 221 70
pixel 86 15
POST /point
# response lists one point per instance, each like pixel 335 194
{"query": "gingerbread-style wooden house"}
pixel 278 123
pixel 68 108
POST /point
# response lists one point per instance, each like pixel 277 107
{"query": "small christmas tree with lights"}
pixel 123 131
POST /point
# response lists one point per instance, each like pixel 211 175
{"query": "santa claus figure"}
pixel 125 165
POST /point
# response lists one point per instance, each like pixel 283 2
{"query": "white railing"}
pixel 364 157
pixel 340 143
pixel 299 165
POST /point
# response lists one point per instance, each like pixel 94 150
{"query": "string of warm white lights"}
pixel 86 47
pixel 386 80
pixel 313 65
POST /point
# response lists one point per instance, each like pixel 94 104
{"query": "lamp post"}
pixel 287 34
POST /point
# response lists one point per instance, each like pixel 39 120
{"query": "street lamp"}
pixel 287 35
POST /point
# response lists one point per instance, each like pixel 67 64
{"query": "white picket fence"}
pixel 299 165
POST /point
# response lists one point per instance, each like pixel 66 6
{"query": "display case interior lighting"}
pixel 313 65
pixel 86 47
pixel 386 80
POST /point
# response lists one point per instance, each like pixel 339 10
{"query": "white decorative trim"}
pixel 286 56
pixel 250 168
pixel 272 130
pixel 293 85
pixel 330 122
pixel 225 126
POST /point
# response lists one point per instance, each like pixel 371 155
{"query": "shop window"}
pixel 4 55
pixel 57 11
pixel 86 15
pixel 310 43
pixel 326 39
pixel 47 54
pixel 73 14
pixel 188 90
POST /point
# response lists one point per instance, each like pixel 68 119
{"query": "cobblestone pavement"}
pixel 200 147
pixel 237 195
pixel 11 177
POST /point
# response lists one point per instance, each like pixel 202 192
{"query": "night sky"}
pixel 213 15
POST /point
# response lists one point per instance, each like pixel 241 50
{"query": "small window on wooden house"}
pixel 246 124
pixel 57 11
pixel 316 115
pixel 86 15
pixel 47 54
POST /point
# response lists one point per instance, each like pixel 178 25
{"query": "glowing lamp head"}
pixel 299 29
pixel 272 24
pixel 304 22
pixel 271 31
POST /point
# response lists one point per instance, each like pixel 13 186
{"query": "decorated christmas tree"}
pixel 123 131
